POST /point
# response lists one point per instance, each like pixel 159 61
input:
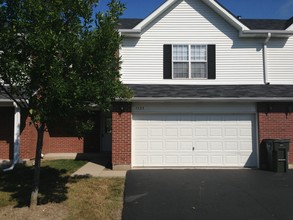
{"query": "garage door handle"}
pixel 193 149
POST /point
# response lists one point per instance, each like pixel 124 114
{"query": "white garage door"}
pixel 194 140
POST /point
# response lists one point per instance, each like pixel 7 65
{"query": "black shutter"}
pixel 167 66
pixel 211 61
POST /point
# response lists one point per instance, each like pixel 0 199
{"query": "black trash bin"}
pixel 277 150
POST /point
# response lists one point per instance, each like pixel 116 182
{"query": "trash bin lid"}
pixel 281 140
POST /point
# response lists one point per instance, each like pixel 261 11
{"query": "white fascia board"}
pixel 225 14
pixel 6 103
pixel 244 99
pixel 264 33
pixel 290 28
pixel 6 100
pixel 130 32
pixel 155 14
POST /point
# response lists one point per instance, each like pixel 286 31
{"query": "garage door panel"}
pixel 156 145
pixel 202 146
pixel 232 159
pixel 186 160
pixel 215 146
pixel 216 160
pixel 141 159
pixel 215 132
pixel 141 132
pixel 185 146
pixel 193 140
pixel 202 132
pixel 244 132
pixel 230 132
pixel 245 146
pixel 141 146
pixel 231 146
pixel 201 160
pixel 186 132
pixel 156 132
pixel 171 146
pixel 156 159
pixel 171 132
pixel 171 159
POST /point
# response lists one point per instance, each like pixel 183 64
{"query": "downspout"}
pixel 16 136
pixel 265 59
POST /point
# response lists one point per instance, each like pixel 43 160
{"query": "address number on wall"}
pixel 139 108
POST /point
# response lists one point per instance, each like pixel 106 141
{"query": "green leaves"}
pixel 52 52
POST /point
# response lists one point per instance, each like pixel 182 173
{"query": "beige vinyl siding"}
pixel 192 22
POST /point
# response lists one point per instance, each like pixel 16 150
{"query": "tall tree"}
pixel 57 58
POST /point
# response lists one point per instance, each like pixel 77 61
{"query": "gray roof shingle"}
pixel 212 91
pixel 265 24
pixel 128 23
pixel 3 95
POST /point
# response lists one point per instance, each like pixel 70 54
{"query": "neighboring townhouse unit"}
pixel 18 136
pixel 208 89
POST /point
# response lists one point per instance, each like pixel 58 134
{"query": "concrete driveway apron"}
pixel 208 195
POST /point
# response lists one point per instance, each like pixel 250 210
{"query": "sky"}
pixel 266 9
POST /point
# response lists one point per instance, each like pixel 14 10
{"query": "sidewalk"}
pixel 97 165
pixel 98 170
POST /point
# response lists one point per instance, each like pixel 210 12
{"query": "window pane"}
pixel 180 70
pixel 198 70
pixel 198 52
pixel 180 52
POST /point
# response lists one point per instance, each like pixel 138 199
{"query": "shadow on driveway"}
pixel 208 195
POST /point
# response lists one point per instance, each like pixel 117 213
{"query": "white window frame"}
pixel 189 61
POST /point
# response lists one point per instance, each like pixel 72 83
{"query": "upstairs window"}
pixel 189 61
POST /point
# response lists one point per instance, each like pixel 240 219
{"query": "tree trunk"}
pixel 35 190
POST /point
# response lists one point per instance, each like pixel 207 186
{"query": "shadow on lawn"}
pixel 52 187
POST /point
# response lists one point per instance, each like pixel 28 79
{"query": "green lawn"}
pixel 84 197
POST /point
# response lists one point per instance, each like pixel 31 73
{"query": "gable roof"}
pixel 246 27
pixel 211 3
pixel 210 92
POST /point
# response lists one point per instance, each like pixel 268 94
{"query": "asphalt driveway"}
pixel 208 195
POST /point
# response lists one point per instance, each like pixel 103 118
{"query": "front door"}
pixel 106 131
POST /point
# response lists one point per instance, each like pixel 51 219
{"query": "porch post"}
pixel 16 136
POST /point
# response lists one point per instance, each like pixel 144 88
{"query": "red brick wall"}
pixel 276 122
pixel 52 142
pixel 121 134
pixel 6 132
pixel 62 144
pixel 28 139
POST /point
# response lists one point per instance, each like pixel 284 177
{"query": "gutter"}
pixel 16 150
pixel 264 33
pixel 234 99
pixel 265 59
pixel 130 32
